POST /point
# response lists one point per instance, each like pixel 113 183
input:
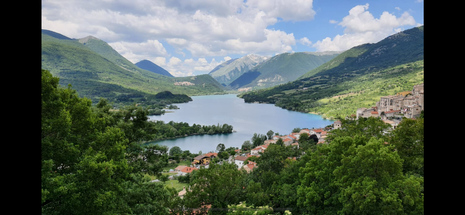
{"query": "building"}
pixel 239 161
pixel 337 124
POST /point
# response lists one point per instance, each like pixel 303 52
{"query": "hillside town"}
pixel 391 109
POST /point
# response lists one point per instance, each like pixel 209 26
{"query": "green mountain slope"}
pixel 281 69
pixel 150 66
pixel 96 70
pixel 361 74
pixel 231 70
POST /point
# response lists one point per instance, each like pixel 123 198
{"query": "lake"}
pixel 246 119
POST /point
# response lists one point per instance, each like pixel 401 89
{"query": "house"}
pixel 179 168
pixel 258 149
pixel 390 122
pixel 288 141
pixel 295 144
pixel 305 131
pixel 204 159
pixel 182 192
pixel 250 166
pixel 239 161
pixel 269 141
pixel 187 170
pixel 296 135
pixel 337 124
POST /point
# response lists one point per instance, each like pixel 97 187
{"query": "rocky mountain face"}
pixel 229 71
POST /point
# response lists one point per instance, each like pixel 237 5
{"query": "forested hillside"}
pixel 356 78
pixel 95 70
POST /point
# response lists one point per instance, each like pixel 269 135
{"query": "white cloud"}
pixel 136 52
pixel 361 27
pixel 397 8
pixel 305 41
pixel 332 21
pixel 188 67
pixel 227 58
pixel 204 27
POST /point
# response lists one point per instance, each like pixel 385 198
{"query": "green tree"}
pixel 269 134
pixel 220 147
pixel 296 130
pixel 223 155
pixel 246 145
pixel 280 142
pixel 218 185
pixel 175 150
pixel 409 140
pixel 163 178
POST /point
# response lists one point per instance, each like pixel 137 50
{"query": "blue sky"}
pixel 192 37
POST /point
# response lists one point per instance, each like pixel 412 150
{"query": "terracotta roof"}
pixel 295 144
pixel 179 168
pixel 392 111
pixel 287 139
pixel 240 158
pixel 210 154
pixel 374 112
pixel 292 136
pixel 199 157
pixel 188 169
pixel 324 132
pixel 317 130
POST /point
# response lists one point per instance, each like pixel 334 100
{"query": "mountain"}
pixel 355 78
pixel 230 70
pixel 282 68
pixel 148 65
pixel 96 70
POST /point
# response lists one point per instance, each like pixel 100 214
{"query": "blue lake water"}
pixel 246 119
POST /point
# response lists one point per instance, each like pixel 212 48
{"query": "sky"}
pixel 191 37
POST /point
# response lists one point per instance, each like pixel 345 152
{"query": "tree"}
pixel 218 185
pixel 280 142
pixel 92 162
pixel 409 140
pixel 258 139
pixel 175 150
pixel 246 145
pixel 163 178
pixel 220 147
pixel 296 130
pixel 223 155
pixel 269 134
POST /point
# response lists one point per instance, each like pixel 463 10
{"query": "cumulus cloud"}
pixel 332 21
pixel 305 41
pixel 189 66
pixel 204 27
pixel 136 52
pixel 360 27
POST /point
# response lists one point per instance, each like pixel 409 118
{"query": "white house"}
pixel 239 161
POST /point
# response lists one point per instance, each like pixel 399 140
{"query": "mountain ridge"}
pixel 152 67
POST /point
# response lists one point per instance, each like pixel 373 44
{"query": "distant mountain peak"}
pixel 85 39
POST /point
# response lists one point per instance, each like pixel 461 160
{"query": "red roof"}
pixel 287 139
pixel 210 154
pixel 374 112
pixel 318 130
pixel 392 111
pixel 188 169
pixel 240 158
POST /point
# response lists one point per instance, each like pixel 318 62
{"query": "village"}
pixel 391 110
